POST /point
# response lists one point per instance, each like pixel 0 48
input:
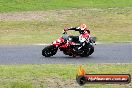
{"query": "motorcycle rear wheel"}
pixel 87 51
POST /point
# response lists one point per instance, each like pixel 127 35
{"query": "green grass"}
pixel 26 33
pixel 41 76
pixel 108 25
pixel 43 20
pixel 35 5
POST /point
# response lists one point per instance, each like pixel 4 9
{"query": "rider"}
pixel 84 33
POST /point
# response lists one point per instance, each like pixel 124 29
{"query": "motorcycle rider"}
pixel 84 33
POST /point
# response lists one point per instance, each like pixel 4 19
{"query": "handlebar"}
pixel 64 32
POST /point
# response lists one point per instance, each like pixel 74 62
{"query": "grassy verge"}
pixel 43 76
pixel 109 20
pixel 35 5
pixel 108 25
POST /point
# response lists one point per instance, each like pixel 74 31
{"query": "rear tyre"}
pixel 88 50
pixel 85 53
pixel 49 51
pixel 91 49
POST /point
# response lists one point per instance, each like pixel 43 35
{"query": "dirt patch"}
pixel 59 14
pixel 42 15
pixel 34 15
pixel 55 82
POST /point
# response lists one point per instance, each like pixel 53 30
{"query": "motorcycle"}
pixel 70 45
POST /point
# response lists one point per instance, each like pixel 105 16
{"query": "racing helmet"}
pixel 83 28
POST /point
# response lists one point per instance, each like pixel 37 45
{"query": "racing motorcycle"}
pixel 69 45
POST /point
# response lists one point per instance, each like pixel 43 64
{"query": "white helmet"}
pixel 83 28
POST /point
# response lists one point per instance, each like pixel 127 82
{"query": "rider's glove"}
pixel 65 29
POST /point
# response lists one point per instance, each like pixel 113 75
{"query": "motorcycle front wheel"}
pixel 49 51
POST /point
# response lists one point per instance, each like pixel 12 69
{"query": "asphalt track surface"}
pixel 31 54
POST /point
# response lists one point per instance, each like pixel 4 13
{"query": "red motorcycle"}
pixel 70 45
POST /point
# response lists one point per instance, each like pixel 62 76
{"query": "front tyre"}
pixel 49 51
